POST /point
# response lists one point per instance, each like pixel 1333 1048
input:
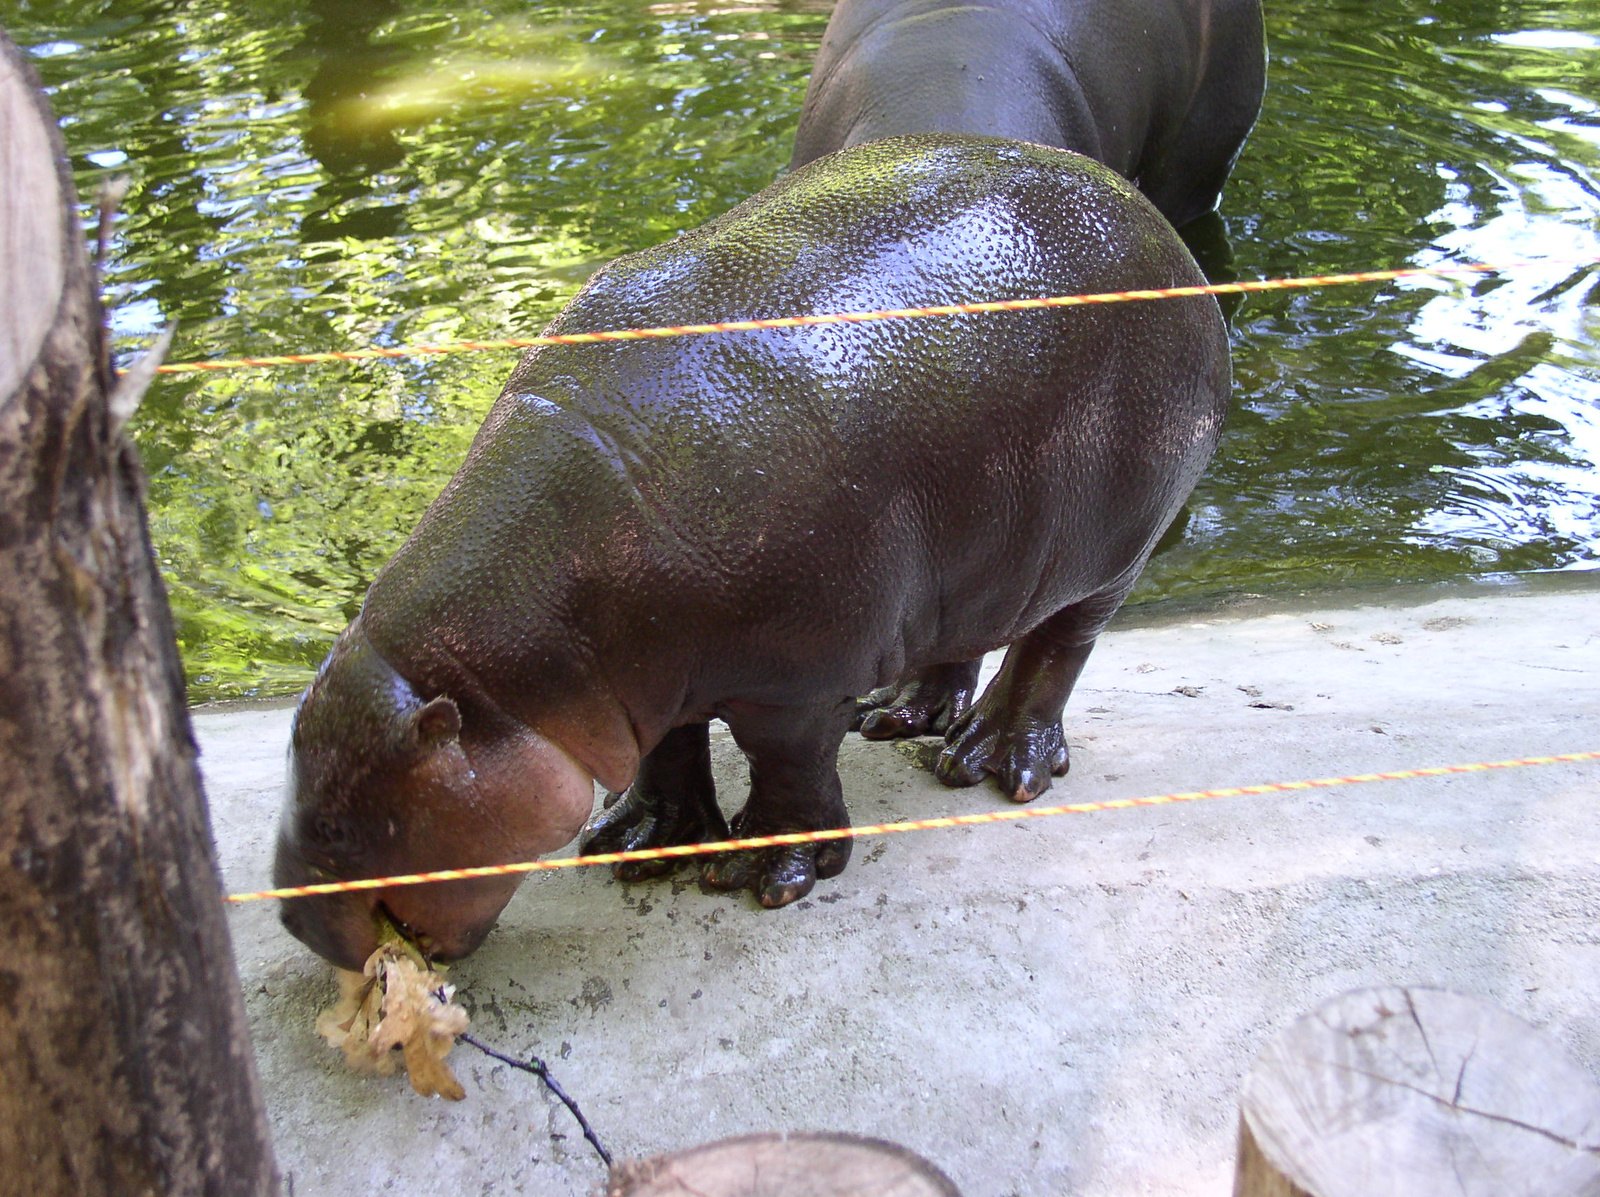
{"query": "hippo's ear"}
pixel 438 723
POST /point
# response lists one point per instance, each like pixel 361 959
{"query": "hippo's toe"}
pixel 924 703
pixel 1023 753
pixel 639 821
pixel 778 875
pixel 788 875
pixel 672 801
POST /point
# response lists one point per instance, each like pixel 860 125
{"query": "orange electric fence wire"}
pixel 840 833
pixel 953 309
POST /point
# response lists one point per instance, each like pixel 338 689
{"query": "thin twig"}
pixel 538 1068
pixel 113 191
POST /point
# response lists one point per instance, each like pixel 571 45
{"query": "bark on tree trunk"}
pixel 125 1060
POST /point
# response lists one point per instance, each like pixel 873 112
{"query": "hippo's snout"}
pixel 341 928
pixel 446 921
pixel 333 926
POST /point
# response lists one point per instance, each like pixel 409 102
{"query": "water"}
pixel 322 174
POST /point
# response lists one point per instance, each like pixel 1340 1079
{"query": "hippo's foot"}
pixel 672 801
pixel 1014 731
pixel 777 875
pixel 924 703
pixel 794 787
pixel 1023 755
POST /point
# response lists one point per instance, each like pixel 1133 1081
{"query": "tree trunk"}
pixel 1417 1093
pixel 125 1060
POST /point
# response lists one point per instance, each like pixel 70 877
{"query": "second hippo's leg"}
pixel 794 786
pixel 923 703
pixel 1014 730
pixel 673 800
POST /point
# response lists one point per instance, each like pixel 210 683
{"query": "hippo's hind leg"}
pixel 923 703
pixel 1014 730
pixel 794 786
pixel 673 800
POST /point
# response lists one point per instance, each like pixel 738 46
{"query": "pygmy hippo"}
pixel 1162 91
pixel 759 526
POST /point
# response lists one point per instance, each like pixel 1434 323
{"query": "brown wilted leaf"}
pixel 348 1023
pixel 397 1000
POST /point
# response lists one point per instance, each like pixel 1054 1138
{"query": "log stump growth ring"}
pixel 1415 1092
pixel 776 1165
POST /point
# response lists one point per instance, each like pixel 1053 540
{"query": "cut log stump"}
pixel 1417 1093
pixel 774 1165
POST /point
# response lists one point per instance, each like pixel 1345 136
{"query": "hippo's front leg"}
pixel 923 703
pixel 673 800
pixel 794 786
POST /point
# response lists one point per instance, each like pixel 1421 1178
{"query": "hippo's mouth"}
pixel 421 940
pixel 443 922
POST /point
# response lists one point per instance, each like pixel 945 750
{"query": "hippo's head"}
pixel 383 781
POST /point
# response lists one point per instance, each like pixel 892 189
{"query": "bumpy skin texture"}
pixel 1162 91
pixel 760 526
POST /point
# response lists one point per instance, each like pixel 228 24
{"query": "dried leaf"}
pixel 398 1000
pixel 347 1024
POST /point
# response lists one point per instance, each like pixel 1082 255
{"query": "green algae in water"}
pixel 332 173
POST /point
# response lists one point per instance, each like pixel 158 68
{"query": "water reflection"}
pixel 323 173
pixel 348 63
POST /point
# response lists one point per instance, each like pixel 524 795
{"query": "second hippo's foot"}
pixel 923 703
pixel 779 875
pixel 1022 754
pixel 672 801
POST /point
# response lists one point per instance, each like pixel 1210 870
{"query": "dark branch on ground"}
pixel 540 1070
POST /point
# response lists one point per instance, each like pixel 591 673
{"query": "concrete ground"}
pixel 1061 1007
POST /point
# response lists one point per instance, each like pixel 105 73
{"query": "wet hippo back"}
pixel 771 516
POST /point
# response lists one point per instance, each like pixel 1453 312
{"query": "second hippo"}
pixel 759 526
pixel 1162 91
